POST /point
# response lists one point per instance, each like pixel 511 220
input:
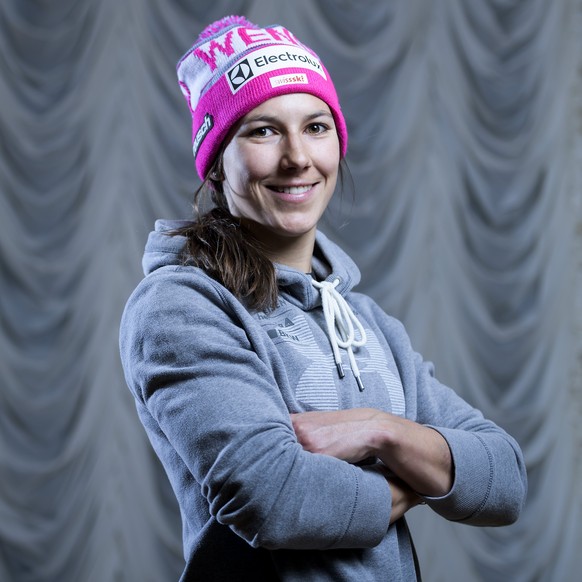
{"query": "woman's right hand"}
pixel 403 498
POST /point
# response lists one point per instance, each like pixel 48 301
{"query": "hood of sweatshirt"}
pixel 329 263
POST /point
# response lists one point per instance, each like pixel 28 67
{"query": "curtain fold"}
pixel 465 151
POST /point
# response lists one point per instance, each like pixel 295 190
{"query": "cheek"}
pixel 256 165
pixel 329 157
pixel 331 167
pixel 240 185
pixel 243 165
pixel 230 164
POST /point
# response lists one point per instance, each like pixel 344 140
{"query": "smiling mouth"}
pixel 292 189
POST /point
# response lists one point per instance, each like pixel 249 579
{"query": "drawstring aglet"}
pixel 360 383
pixel 340 369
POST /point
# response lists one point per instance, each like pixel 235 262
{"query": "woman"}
pixel 295 422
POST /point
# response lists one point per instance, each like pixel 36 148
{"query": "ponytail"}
pixel 228 252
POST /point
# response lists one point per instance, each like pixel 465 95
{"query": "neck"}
pixel 295 254
pixel 293 251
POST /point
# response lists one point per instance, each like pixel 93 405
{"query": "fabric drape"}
pixel 465 217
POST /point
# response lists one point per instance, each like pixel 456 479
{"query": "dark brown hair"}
pixel 218 243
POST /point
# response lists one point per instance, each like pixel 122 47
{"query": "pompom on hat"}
pixel 233 67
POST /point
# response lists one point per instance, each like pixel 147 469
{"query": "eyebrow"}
pixel 275 119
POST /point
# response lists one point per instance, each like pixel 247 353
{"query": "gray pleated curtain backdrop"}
pixel 465 120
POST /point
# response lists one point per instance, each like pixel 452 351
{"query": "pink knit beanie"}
pixel 233 67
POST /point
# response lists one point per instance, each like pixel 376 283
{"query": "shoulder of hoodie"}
pixel 168 279
pixel 180 285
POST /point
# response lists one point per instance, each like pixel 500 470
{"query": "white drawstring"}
pixel 340 320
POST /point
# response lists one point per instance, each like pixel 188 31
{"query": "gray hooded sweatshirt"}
pixel 214 385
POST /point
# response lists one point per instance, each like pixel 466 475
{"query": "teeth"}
pixel 293 189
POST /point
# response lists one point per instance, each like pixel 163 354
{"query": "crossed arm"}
pixel 417 458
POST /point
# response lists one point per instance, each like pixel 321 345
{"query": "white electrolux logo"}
pixel 271 58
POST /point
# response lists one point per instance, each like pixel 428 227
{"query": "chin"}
pixel 296 231
pixel 296 227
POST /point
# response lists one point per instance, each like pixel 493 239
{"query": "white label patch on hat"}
pixel 272 58
pixel 290 79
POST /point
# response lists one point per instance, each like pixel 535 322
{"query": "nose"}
pixel 295 153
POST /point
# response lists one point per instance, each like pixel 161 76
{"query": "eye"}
pixel 317 128
pixel 261 132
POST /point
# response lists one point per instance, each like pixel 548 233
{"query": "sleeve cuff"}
pixel 473 476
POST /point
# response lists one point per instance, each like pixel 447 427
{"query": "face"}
pixel 281 167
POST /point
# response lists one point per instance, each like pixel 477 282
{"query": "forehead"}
pixel 289 106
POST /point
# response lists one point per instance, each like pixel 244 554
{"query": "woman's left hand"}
pixel 418 455
pixel 344 434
